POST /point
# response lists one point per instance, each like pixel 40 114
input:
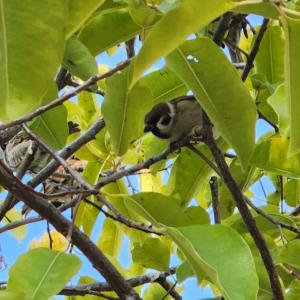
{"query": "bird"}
pixel 174 120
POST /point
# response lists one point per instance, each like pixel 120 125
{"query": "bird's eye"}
pixel 165 120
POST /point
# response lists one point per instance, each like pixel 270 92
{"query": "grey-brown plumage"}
pixel 174 120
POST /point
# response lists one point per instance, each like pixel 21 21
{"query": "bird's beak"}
pixel 148 127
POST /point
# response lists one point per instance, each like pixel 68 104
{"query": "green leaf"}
pixel 272 155
pixel 291 192
pixel 270 57
pixel 266 9
pixel 174 27
pixel 222 254
pixel 87 214
pixel 279 102
pixel 78 60
pixel 188 173
pixel 79 12
pixel 152 254
pixel 156 292
pixel 183 271
pixel 110 240
pixel 158 208
pixel 32 39
pixel 124 110
pixel 293 290
pixel 52 270
pixel 292 74
pixel 52 126
pixel 290 254
pixel 11 295
pixel 113 28
pixel 164 85
pixel 213 80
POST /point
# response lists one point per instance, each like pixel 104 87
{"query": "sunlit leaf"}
pixel 52 270
pixel 79 12
pixel 290 254
pixel 110 240
pixel 78 60
pixel 32 39
pixel 208 73
pixel 14 215
pixel 174 27
pixel 292 73
pixel 11 295
pixel 124 110
pixel 164 85
pixel 222 254
pixel 270 57
pixel 52 126
pixel 152 254
pixel 58 241
pixel 107 30
pixel 272 155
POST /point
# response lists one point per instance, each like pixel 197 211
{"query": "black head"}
pixel 159 120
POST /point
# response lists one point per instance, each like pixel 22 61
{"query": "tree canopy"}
pixel 76 80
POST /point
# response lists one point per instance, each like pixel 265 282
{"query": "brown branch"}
pixel 82 241
pixel 65 97
pixel 255 48
pixel 121 218
pixel 244 211
pixel 169 289
pixel 213 183
pixel 84 289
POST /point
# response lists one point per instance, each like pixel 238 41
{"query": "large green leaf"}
pixel 79 12
pixel 164 85
pixel 218 88
pixel 174 27
pixel 107 30
pixel 292 74
pixel 152 254
pixel 272 155
pixel 32 38
pixel 222 254
pixel 78 60
pixel 124 110
pixel 188 173
pixel 50 271
pixel 52 126
pixel 160 209
pixel 270 57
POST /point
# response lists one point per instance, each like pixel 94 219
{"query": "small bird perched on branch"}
pixel 175 120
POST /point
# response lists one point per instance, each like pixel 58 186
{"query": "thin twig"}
pixel 255 48
pixel 213 183
pixel 170 289
pixel 49 235
pixel 84 289
pixel 65 97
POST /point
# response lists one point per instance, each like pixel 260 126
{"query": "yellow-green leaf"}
pixel 32 39
pixel 124 110
pixel 172 29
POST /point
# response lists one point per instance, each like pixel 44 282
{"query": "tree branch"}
pixel 84 289
pixel 65 97
pixel 244 211
pixel 213 183
pixel 255 48
pixel 62 225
